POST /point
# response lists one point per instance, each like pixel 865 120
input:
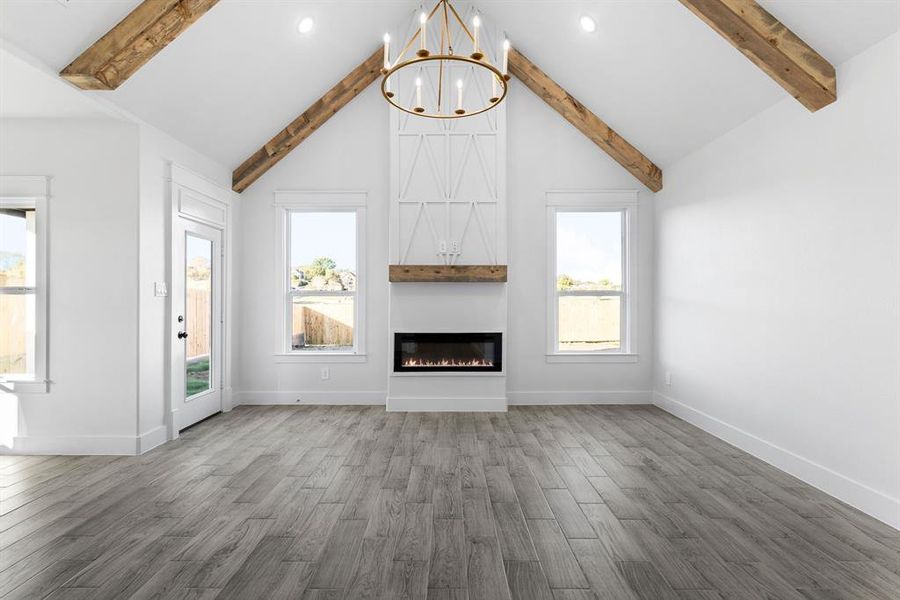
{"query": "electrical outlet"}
pixel 442 247
pixel 326 373
pixel 668 378
pixel 454 247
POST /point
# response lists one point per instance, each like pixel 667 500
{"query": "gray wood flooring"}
pixel 562 503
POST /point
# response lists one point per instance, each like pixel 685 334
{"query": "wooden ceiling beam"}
pixel 585 121
pixel 772 47
pixel 132 42
pixel 312 118
pixel 357 80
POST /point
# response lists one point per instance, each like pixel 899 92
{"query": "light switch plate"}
pixel 160 290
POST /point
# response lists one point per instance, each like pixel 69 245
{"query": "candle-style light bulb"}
pixel 387 51
pixel 419 94
pixel 423 21
pixel 494 96
pixel 459 96
pixel 476 25
pixel 505 70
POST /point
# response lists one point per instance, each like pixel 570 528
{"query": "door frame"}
pixel 195 198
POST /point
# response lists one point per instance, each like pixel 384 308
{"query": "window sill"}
pixel 319 357
pixel 592 357
pixel 24 386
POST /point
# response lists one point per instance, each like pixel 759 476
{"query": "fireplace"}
pixel 448 352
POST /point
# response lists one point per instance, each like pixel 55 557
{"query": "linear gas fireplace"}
pixel 448 352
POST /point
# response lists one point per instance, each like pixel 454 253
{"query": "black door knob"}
pixel 182 335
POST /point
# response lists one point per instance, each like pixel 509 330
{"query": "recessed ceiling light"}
pixel 305 25
pixel 588 24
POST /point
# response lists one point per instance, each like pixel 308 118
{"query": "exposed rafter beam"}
pixel 135 40
pixel 357 80
pixel 585 121
pixel 772 47
pixel 312 118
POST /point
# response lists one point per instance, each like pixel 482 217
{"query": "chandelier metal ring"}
pixel 502 80
pixel 466 51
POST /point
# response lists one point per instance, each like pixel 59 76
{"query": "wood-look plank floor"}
pixel 549 503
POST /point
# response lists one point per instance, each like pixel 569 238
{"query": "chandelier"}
pixel 459 65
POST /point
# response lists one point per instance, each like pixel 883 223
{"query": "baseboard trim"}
pixel 440 403
pixel 125 445
pixel 448 404
pixel 869 500
pixel 601 397
pixel 151 439
pixel 309 397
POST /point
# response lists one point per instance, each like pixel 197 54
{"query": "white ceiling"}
pixel 652 70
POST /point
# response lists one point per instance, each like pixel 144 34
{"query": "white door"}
pixel 197 312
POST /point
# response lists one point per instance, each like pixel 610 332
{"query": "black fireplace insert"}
pixel 449 352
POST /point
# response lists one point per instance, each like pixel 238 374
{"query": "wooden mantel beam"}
pixel 312 118
pixel 772 47
pixel 585 121
pixel 135 40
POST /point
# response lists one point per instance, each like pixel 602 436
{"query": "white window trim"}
pixel 625 201
pixel 33 192
pixel 285 203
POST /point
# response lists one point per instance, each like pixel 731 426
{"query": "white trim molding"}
pixel 869 500
pixel 285 203
pixel 550 398
pixel 443 404
pixel 117 445
pixel 33 192
pixel 310 397
pixel 151 439
pixel 620 201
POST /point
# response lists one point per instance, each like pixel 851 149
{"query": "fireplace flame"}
pixel 448 362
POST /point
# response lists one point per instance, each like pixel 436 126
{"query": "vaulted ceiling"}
pixel 655 72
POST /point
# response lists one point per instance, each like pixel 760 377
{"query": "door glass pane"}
pixel 589 323
pixel 322 322
pixel 198 313
pixel 16 334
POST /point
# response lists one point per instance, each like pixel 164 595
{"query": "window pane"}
pixel 198 308
pixel 589 323
pixel 589 250
pixel 17 264
pixel 322 322
pixel 17 334
pixel 323 251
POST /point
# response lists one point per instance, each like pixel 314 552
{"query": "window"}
pixel 322 277
pixel 22 285
pixel 589 275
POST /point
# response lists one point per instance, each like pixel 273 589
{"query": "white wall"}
pixel 778 282
pixel 350 152
pixel 157 151
pixel 546 153
pixel 93 257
